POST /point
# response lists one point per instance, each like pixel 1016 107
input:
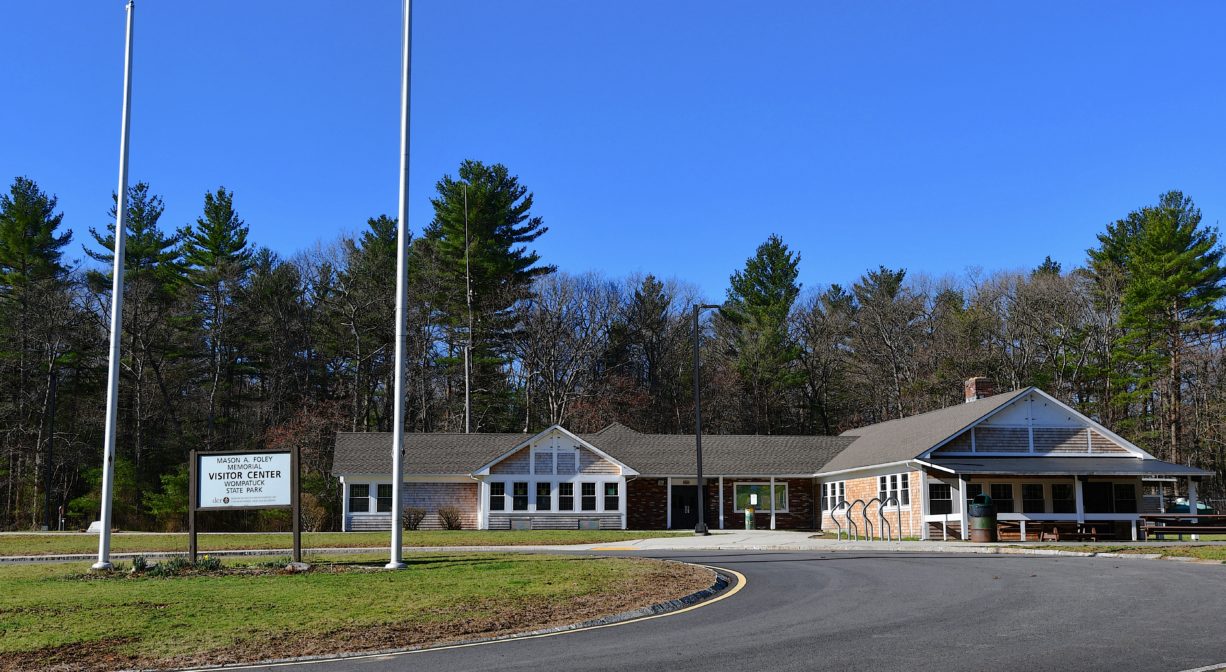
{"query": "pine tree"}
pixel 760 300
pixel 1173 285
pixel 218 263
pixel 500 270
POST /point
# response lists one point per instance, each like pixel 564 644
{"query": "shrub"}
pixel 208 564
pixel 412 517
pixel 140 564
pixel 451 518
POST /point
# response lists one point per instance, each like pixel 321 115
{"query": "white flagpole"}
pixel 402 282
pixel 112 389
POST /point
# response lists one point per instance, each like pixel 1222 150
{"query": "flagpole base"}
pixel 395 565
pixel 101 566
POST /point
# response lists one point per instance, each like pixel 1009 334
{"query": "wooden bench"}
pixel 1181 524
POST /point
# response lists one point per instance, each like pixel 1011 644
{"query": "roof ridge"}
pixel 934 411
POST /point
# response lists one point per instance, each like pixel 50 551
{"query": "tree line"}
pixel 227 345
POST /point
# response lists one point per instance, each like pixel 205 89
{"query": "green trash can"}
pixel 983 519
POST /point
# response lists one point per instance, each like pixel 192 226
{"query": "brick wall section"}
pixel 865 488
pixel 801 503
pixel 646 504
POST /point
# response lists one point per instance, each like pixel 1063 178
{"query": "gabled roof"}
pixel 722 454
pixel 1064 466
pixel 896 441
pixel 432 454
pixel 484 469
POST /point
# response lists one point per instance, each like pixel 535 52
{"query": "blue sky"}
pixel 665 137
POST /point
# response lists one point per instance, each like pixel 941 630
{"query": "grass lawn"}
pixel 59 615
pixel 1190 551
pixel 121 542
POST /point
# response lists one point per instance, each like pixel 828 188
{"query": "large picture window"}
pixel 742 491
pixel 359 498
pixel 383 503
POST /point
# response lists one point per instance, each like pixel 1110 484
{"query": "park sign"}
pixel 243 481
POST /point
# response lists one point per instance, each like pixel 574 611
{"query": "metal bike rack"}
pixel 868 524
pixel 853 530
pixel 834 517
pixel 885 529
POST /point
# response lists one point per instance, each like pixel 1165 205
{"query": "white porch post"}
pixel 624 491
pixel 344 505
pixel 772 502
pixel 668 503
pixel 924 506
pixel 721 502
pixel 483 498
pixel 1192 503
pixel 964 521
pixel 1081 502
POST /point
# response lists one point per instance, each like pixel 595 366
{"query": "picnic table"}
pixel 1161 524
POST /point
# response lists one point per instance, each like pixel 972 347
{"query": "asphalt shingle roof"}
pixel 431 454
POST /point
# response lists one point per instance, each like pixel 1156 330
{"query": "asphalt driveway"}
pixel 893 611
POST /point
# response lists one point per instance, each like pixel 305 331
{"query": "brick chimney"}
pixel 977 388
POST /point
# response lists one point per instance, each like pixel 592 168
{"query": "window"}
pixel 498 496
pixel 383 503
pixel 1125 498
pixel 973 490
pixel 940 499
pixel 359 498
pixel 894 485
pixel 1032 498
pixel 742 491
pixel 610 497
pixel 1062 500
pixel 832 494
pixel 519 496
pixel 544 497
pixel 587 499
pixel 566 496
pixel 1002 497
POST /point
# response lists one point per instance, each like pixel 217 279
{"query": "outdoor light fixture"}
pixel 701 527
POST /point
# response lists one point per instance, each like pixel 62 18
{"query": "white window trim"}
pixel 832 498
pixel 372 499
pixel 1048 501
pixel 577 479
pixel 762 509
pixel 899 476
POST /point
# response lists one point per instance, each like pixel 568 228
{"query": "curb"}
pixel 722 583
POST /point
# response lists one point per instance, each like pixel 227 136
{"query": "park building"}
pixel 1048 469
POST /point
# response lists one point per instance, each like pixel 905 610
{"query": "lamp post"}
pixel 701 527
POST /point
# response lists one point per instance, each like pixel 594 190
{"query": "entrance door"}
pixel 685 507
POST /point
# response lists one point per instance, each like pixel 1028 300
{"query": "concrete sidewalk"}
pixel 727 540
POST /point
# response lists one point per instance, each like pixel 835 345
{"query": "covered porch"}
pixel 1045 498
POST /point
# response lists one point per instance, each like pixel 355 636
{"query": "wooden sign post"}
pixel 243 481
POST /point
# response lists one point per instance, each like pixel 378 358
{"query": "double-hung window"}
pixel 498 496
pixel 359 498
pixel 611 499
pixel 383 503
pixel 940 499
pixel 519 496
pixel 566 496
pixel 897 486
pixel 1032 498
pixel 544 496
pixel 588 496
pixel 973 490
pixel 832 494
pixel 1002 497
pixel 1063 498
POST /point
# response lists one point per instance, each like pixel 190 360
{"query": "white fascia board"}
pixel 485 469
pixel 415 478
pixel 871 467
pixel 935 466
